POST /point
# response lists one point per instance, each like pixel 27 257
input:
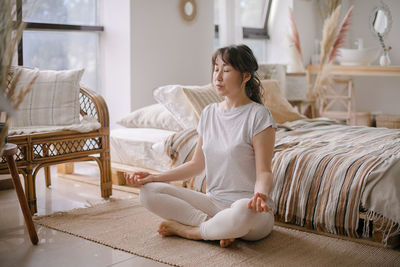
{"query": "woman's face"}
pixel 227 81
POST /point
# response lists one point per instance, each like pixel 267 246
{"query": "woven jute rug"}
pixel 127 226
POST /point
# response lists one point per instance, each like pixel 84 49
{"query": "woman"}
pixel 235 146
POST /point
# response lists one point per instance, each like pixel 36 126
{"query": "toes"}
pixel 163 229
pixel 226 242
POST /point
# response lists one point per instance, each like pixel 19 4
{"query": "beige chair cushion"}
pixel 52 100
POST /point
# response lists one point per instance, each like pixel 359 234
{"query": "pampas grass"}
pixel 326 7
pixel 10 35
pixel 332 40
pixel 295 34
pixel 329 31
pixel 295 48
pixel 340 36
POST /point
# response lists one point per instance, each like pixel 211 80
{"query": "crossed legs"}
pixel 196 216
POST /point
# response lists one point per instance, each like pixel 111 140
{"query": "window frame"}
pixel 251 32
pixel 48 27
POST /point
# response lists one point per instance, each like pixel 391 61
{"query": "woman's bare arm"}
pixel 263 144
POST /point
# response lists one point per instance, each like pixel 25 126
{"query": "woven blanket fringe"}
pixel 388 227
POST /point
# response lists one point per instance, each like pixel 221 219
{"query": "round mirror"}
pixel 188 9
pixel 381 20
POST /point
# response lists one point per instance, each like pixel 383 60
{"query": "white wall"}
pixel 380 94
pixel 115 57
pixel 168 50
pixel 146 44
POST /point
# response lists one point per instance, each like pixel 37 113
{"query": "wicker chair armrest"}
pixel 93 104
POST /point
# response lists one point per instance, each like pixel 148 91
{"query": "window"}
pixel 61 34
pixel 254 18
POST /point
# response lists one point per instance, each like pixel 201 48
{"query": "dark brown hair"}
pixel 242 59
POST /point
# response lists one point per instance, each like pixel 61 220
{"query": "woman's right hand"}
pixel 138 178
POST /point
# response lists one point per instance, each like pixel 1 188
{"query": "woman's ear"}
pixel 246 77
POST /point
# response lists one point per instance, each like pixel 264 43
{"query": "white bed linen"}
pixel 140 147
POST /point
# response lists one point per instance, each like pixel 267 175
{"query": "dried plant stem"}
pixel 326 7
pixel 331 25
pixel 10 35
pixel 340 35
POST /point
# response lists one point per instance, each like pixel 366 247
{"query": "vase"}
pixel 384 60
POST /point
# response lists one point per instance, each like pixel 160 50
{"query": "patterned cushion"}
pixel 280 108
pixel 52 100
pixel 199 98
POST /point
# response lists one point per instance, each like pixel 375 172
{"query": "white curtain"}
pixel 230 26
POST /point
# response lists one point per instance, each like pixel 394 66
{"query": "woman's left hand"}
pixel 258 203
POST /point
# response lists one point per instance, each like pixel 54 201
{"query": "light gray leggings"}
pixel 192 208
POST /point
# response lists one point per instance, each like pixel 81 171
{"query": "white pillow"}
pixel 152 116
pixel 52 100
pixel 174 99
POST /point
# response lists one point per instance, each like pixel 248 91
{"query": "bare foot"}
pixel 169 228
pixel 223 243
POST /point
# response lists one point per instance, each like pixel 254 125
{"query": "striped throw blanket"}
pixel 180 148
pixel 321 169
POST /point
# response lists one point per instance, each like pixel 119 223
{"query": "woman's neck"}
pixel 230 103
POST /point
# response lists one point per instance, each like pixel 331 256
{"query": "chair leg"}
pixel 22 200
pixel 105 174
pixel 47 176
pixel 65 168
pixel 30 189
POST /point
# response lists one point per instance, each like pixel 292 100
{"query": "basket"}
pixel 361 118
pixel 388 121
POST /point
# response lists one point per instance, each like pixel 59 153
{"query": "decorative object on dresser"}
pixel 380 25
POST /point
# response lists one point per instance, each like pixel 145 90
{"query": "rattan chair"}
pixel 41 150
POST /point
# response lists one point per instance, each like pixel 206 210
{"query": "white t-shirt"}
pixel 228 150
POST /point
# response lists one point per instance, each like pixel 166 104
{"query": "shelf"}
pixel 358 70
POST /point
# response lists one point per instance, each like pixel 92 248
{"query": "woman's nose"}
pixel 219 75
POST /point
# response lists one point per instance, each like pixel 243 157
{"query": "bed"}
pixel 330 178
